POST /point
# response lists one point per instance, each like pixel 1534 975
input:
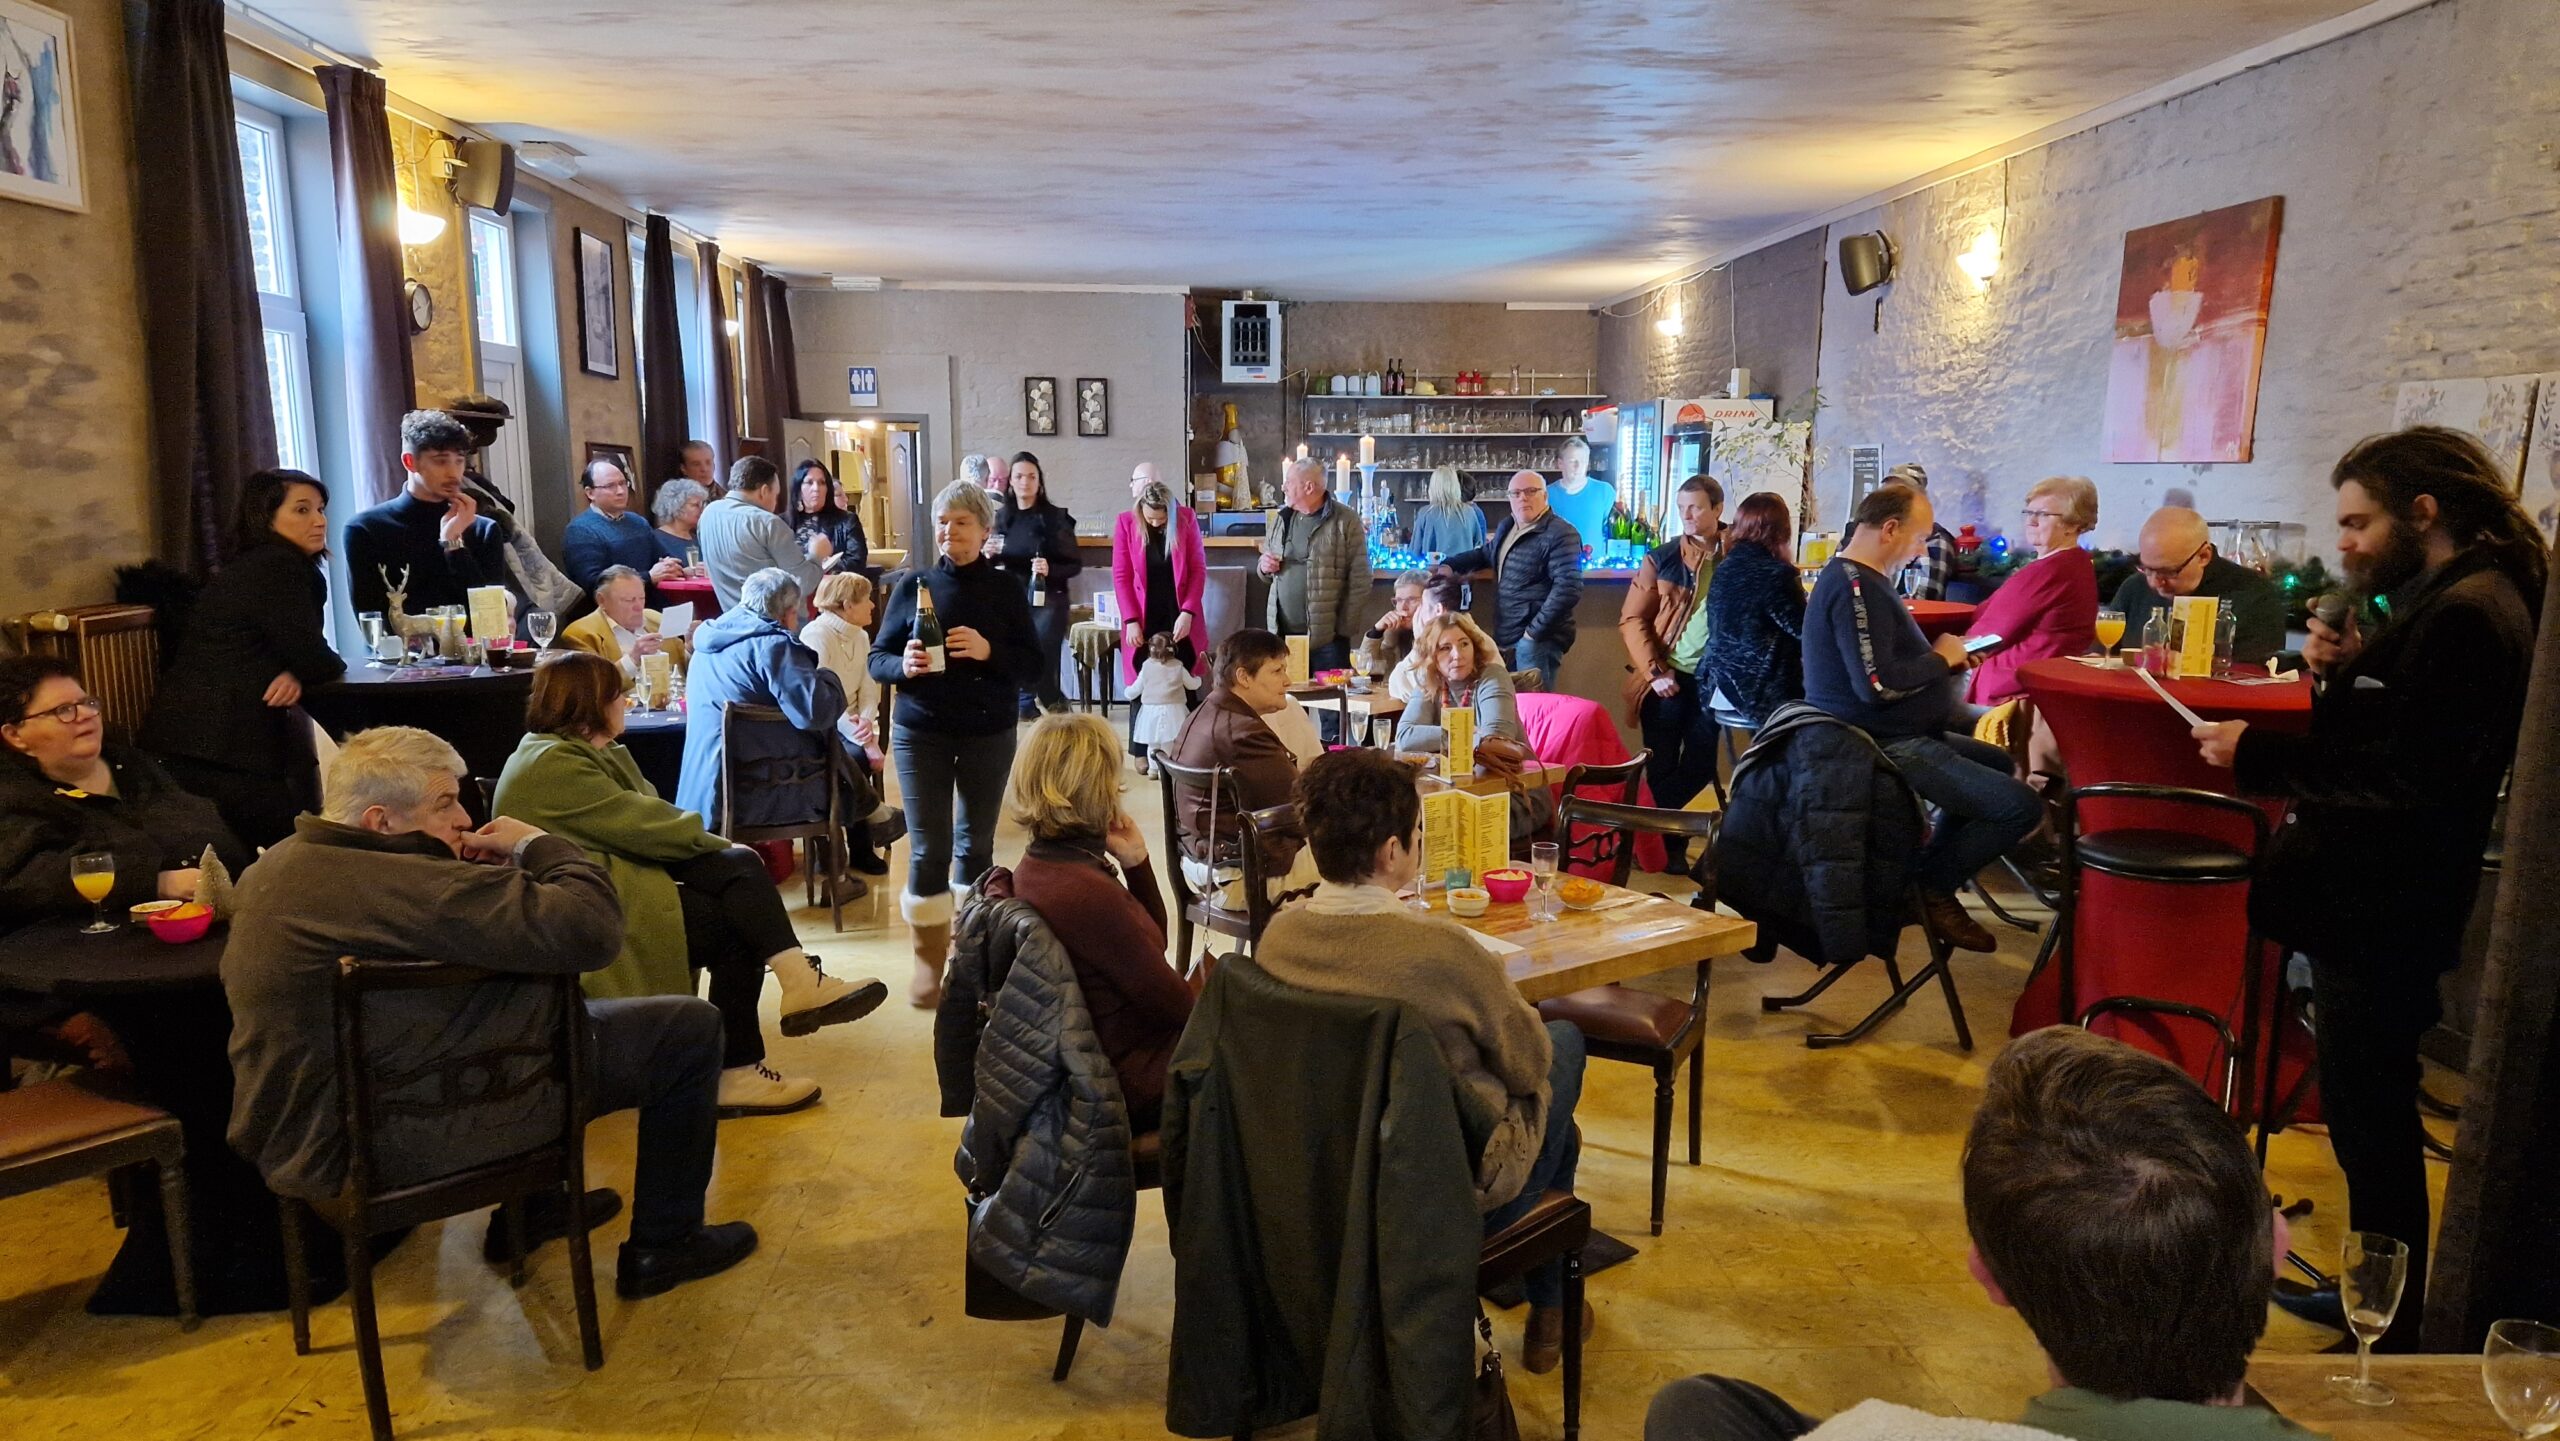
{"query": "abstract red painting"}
pixel 2191 329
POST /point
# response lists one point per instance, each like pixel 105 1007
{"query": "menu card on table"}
pixel 1297 660
pixel 1459 724
pixel 489 623
pixel 2191 628
pixel 1463 831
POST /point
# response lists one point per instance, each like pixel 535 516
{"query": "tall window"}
pixel 738 342
pixel 267 183
pixel 639 308
pixel 508 463
pixel 493 279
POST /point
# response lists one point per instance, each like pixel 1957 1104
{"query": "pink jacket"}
pixel 1190 578
pixel 2048 608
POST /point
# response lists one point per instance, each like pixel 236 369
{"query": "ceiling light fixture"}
pixel 417 227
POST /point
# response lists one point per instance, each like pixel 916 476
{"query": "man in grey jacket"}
pixel 1317 561
pixel 742 534
pixel 390 870
pixel 1536 560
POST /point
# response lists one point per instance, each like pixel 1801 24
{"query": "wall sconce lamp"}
pixel 417 227
pixel 1982 261
pixel 1671 324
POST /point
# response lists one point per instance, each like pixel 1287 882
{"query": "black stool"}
pixel 2171 858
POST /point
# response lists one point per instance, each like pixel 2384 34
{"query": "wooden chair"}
pixel 821 836
pixel 367 1206
pixel 1194 909
pixel 1328 695
pixel 1620 1023
pixel 116 649
pixel 59 1131
pixel 1597 847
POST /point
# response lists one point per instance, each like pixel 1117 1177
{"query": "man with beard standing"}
pixel 2394 788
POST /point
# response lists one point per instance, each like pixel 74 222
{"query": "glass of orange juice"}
pixel 94 877
pixel 2110 630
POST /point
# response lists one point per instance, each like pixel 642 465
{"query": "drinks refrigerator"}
pixel 1653 445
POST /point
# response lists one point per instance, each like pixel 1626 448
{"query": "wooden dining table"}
pixel 2440 1398
pixel 1627 934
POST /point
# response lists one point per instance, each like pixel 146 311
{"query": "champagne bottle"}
pixel 929 632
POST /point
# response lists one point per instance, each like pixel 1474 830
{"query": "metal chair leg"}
pixel 1786 1003
pixel 182 1250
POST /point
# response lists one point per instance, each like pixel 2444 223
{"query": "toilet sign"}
pixel 863 382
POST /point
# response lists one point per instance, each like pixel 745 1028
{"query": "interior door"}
pixel 509 464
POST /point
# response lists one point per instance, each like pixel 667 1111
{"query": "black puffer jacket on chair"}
pixel 1819 839
pixel 1053 1192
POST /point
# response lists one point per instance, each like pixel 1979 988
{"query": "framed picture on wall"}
pixel 597 351
pixel 1093 406
pixel 619 455
pixel 40 156
pixel 1039 405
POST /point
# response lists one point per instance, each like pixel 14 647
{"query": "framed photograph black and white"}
pixel 1040 405
pixel 1093 406
pixel 598 353
pixel 620 455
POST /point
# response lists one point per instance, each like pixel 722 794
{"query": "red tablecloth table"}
pixel 1941 617
pixel 2179 943
pixel 706 602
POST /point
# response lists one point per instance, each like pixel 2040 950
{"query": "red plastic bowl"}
pixel 182 930
pixel 1505 886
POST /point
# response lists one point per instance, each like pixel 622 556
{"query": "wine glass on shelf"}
pixel 2371 1270
pixel 2110 630
pixel 541 625
pixel 2520 1369
pixel 94 877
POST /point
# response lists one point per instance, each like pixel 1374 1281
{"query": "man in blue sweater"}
pixel 1866 662
pixel 610 533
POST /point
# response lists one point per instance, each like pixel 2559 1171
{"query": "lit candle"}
pixel 1368 450
pixel 1302 450
pixel 1341 473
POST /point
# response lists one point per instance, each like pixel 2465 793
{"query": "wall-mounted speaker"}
pixel 1866 261
pixel 484 174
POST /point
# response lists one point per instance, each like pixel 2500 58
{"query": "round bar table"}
pixel 706 601
pixel 1941 617
pixel 479 711
pixel 2179 943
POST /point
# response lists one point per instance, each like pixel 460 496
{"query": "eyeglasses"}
pixel 612 485
pixel 1525 494
pixel 2168 572
pixel 69 712
pixel 2041 514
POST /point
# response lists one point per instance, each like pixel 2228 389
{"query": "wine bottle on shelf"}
pixel 929 632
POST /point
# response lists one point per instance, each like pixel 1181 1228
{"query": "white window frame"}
pixel 281 312
pixel 503 292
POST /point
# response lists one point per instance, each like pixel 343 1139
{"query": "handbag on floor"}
pixel 1491 1417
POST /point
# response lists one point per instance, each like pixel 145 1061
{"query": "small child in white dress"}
pixel 1162 695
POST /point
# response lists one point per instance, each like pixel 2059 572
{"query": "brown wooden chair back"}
pixel 1194 909
pixel 1592 846
pixel 116 649
pixel 820 835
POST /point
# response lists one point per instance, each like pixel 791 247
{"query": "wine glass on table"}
pixel 541 625
pixel 1542 880
pixel 94 877
pixel 2372 1268
pixel 2110 631
pixel 2520 1369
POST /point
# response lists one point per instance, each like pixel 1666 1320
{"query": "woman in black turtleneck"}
pixel 952 728
pixel 1036 545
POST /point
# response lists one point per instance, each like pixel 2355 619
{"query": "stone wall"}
pixel 75 427
pixel 1763 312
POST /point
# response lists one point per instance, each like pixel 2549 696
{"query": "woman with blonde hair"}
pixel 1465 672
pixel 2049 606
pixel 1088 875
pixel 1451 524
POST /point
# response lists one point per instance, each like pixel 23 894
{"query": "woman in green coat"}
pixel 691 901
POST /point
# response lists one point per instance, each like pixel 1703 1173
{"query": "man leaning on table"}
pixel 2119 1212
pixel 2178 557
pixel 2394 788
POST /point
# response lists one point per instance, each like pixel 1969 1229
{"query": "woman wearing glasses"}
pixel 2049 606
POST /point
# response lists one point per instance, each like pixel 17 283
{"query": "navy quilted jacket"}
pixel 1755 631
pixel 1818 839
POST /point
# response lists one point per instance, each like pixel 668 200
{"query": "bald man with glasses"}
pixel 1536 559
pixel 2178 558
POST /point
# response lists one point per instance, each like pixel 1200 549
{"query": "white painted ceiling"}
pixel 1407 149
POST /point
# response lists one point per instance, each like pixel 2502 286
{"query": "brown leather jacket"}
pixel 1659 600
pixel 1225 731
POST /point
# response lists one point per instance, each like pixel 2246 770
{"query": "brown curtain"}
pixel 723 438
pixel 764 400
pixel 213 419
pixel 382 380
pixel 664 422
pixel 786 355
pixel 2498 1250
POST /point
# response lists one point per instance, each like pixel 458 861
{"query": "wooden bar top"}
pixel 1582 949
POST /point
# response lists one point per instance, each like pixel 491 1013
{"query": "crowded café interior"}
pixel 1360 719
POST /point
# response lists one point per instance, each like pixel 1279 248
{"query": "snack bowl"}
pixel 1506 885
pixel 1468 901
pixel 187 923
pixel 1580 892
pixel 143 911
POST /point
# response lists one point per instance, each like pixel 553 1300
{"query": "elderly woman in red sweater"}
pixel 2049 606
pixel 1087 874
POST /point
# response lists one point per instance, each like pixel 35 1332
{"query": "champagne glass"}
pixel 541 625
pixel 1542 878
pixel 2110 630
pixel 2371 1270
pixel 94 877
pixel 2520 1368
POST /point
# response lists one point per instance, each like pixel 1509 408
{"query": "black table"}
pixel 52 958
pixel 655 739
pixel 480 711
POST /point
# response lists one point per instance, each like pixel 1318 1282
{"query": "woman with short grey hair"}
pixel 2049 606
pixel 678 509
pixel 1159 577
pixel 951 732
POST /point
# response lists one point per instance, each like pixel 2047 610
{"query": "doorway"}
pixel 884 457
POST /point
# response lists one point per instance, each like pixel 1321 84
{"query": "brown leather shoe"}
pixel 1542 1340
pixel 1948 917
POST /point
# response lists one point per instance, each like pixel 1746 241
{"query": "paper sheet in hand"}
pixel 676 620
pixel 2162 691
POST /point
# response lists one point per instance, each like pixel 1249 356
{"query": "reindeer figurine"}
pixel 395 611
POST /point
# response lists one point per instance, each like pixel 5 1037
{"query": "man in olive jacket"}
pixel 1317 562
pixel 390 871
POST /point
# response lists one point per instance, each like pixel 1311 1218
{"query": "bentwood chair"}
pixel 1641 1028
pixel 382 1193
pixel 1196 909
pixel 821 836
pixel 1614 781
pixel 59 1131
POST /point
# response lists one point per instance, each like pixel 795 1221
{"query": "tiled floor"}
pixel 1819 1250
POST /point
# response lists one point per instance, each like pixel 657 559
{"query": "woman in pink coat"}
pixel 1159 567
pixel 2049 606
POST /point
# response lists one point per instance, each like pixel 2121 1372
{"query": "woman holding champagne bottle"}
pixel 956 639
pixel 68 793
